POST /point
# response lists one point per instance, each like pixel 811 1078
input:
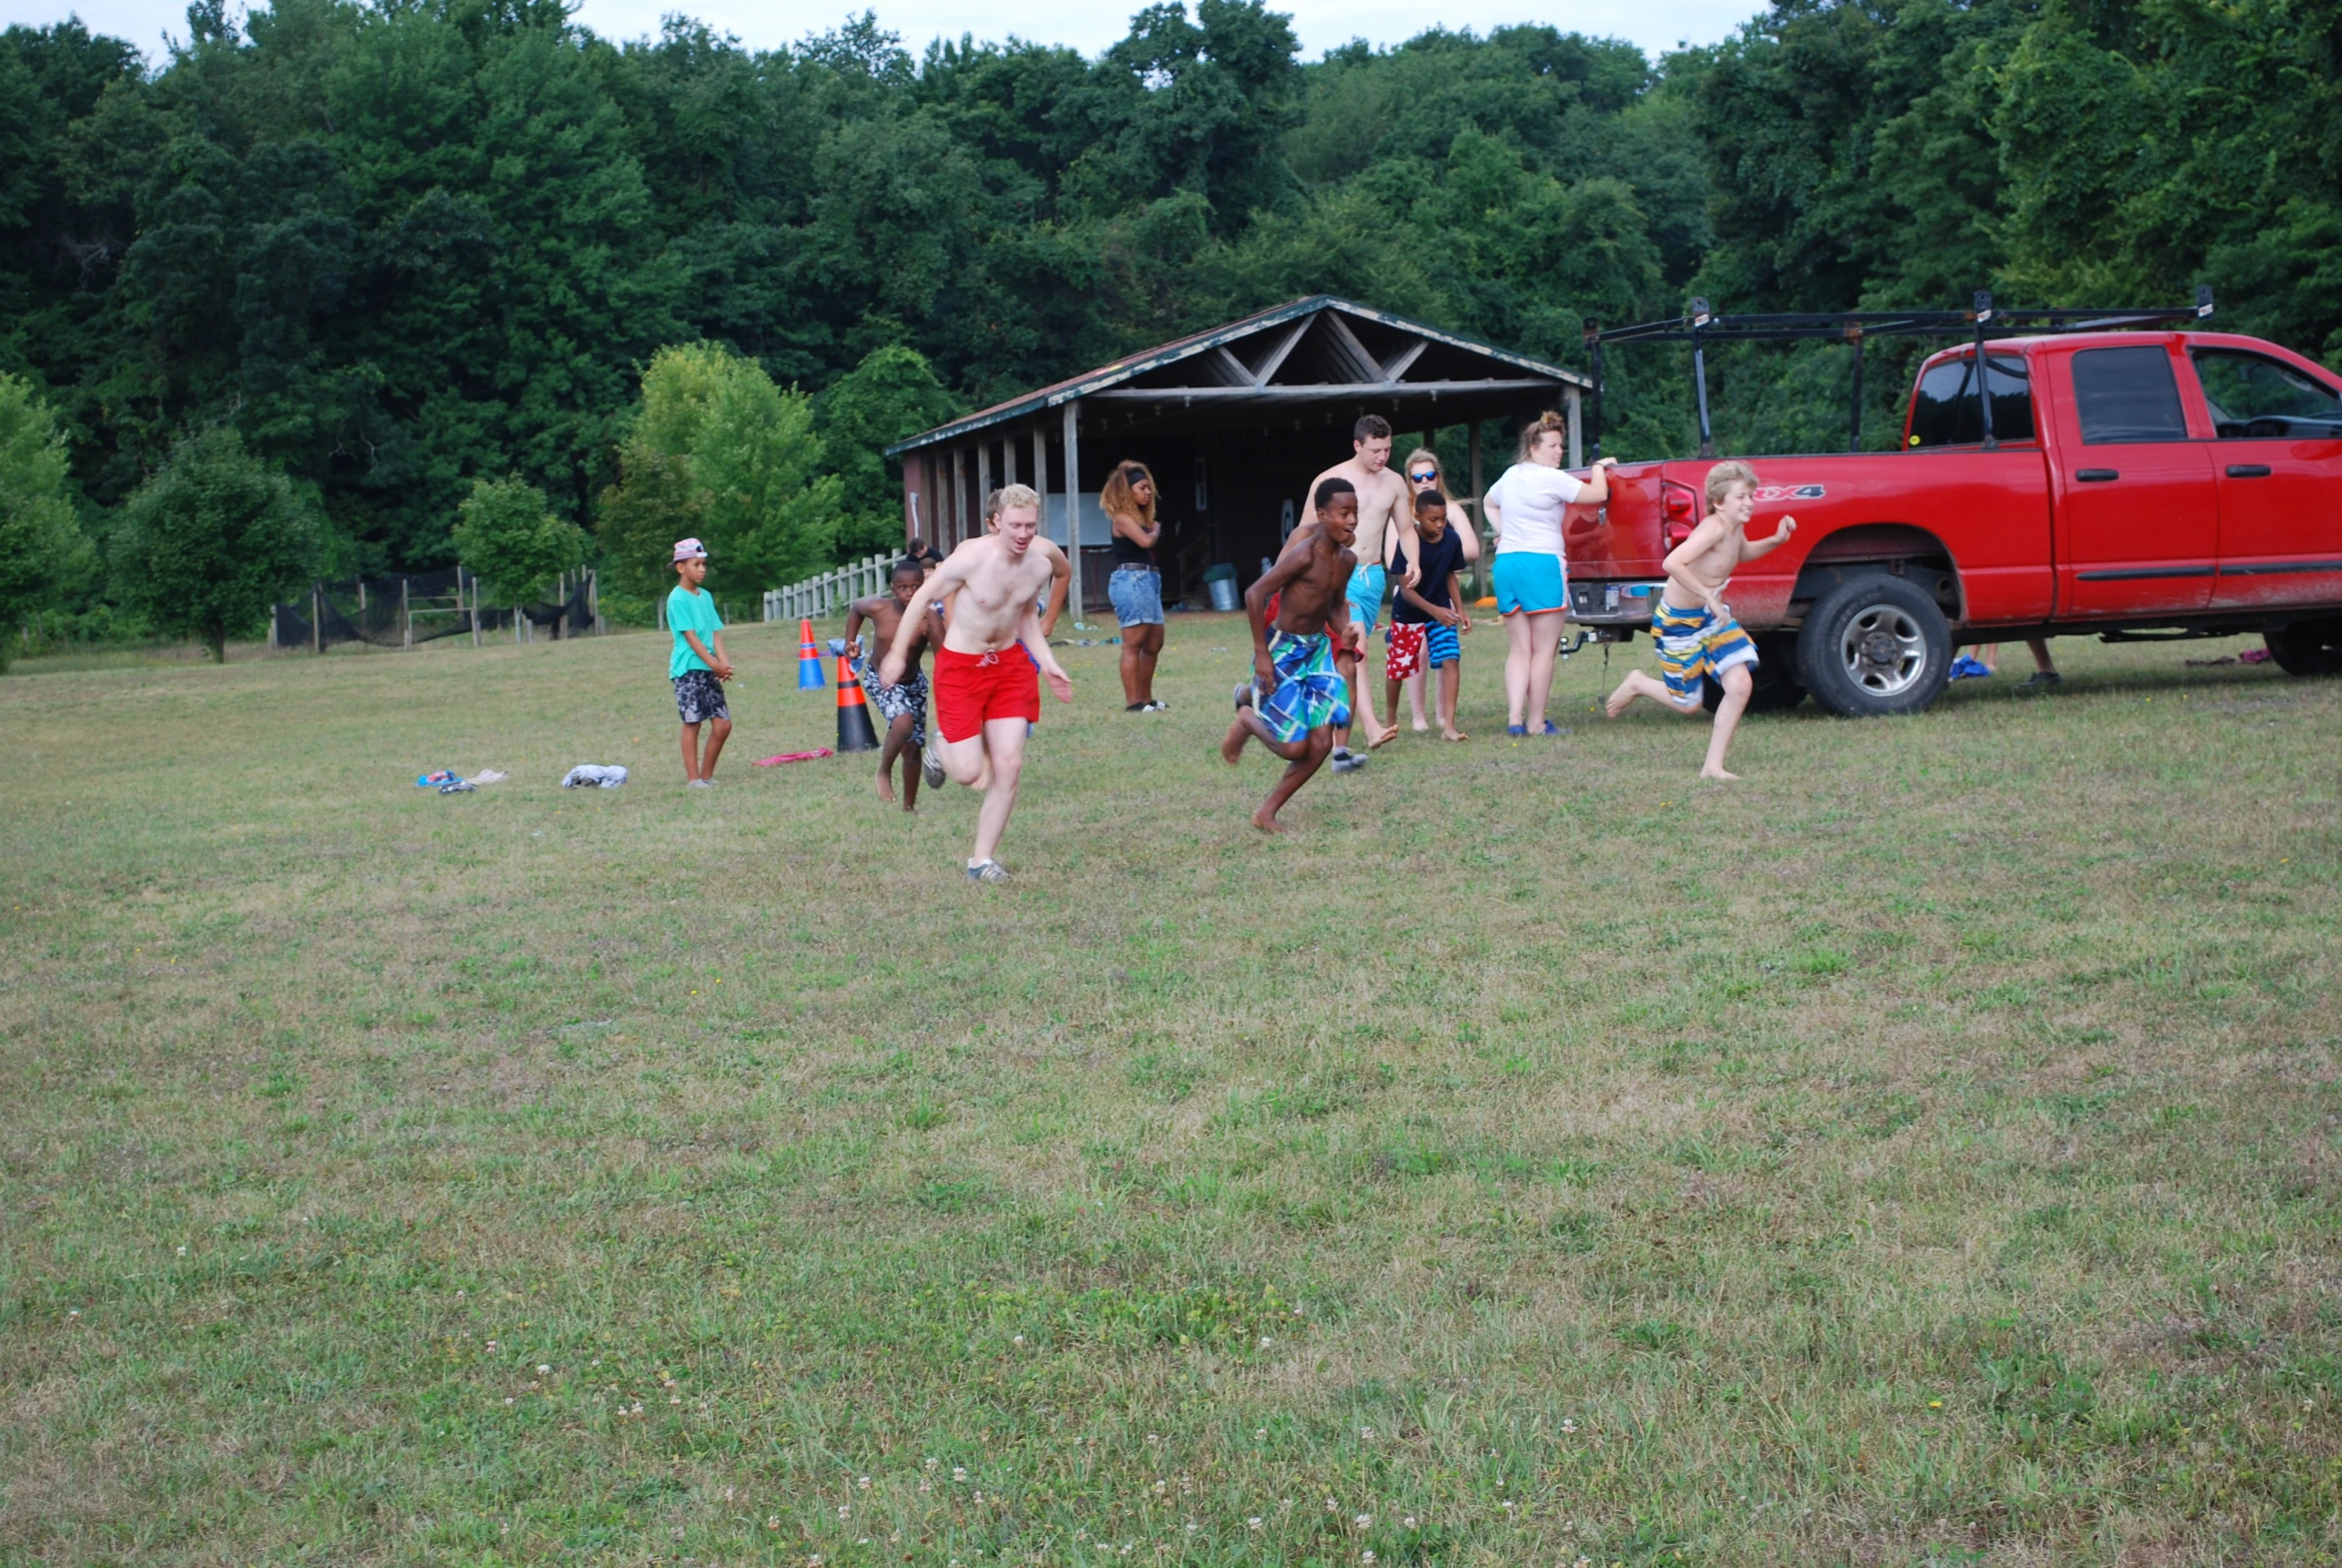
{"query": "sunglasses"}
pixel 1425 477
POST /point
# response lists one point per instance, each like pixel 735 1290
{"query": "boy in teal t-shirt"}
pixel 698 667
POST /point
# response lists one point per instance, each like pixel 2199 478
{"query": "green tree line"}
pixel 403 250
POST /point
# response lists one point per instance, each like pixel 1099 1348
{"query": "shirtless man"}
pixel 904 707
pixel 1385 505
pixel 1293 705
pixel 1693 627
pixel 984 687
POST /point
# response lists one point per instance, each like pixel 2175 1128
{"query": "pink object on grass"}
pixel 793 756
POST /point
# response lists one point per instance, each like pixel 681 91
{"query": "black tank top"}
pixel 1129 555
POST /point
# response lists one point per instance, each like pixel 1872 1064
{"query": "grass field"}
pixel 1926 1151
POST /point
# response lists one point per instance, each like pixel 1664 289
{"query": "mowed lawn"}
pixel 1924 1151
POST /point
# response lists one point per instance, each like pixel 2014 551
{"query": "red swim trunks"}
pixel 1406 651
pixel 971 688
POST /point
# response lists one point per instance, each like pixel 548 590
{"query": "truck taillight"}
pixel 1679 507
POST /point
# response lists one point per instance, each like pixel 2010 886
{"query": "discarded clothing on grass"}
pixel 2253 656
pixel 490 776
pixel 587 775
pixel 436 777
pixel 458 787
pixel 814 755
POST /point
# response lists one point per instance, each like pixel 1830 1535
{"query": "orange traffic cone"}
pixel 808 661
pixel 853 731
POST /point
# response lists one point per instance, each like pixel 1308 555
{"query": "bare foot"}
pixel 885 787
pixel 1232 746
pixel 1453 734
pixel 1620 701
pixel 1388 736
pixel 1720 775
pixel 1266 823
pixel 1423 729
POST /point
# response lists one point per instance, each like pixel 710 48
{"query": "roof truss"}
pixel 1317 349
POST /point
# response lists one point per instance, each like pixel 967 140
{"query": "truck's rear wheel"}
pixel 2307 647
pixel 1875 645
pixel 1775 689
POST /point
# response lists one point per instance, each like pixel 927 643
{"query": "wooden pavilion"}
pixel 1233 423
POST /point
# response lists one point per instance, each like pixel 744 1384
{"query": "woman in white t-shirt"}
pixel 1531 579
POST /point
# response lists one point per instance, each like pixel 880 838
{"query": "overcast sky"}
pixel 1322 24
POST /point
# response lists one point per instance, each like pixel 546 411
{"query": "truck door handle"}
pixel 2095 476
pixel 2248 470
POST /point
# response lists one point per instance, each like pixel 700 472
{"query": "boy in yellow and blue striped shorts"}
pixel 1693 627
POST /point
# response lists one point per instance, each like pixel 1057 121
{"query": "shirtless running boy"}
pixel 986 692
pixel 1296 700
pixel 904 707
pixel 1385 508
pixel 1693 627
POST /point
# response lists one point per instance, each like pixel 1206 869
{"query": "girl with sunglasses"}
pixel 1424 473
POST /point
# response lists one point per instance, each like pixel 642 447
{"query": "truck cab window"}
pixel 1945 410
pixel 2253 397
pixel 2126 394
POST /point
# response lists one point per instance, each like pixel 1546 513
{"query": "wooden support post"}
pixel 1479 491
pixel 1072 423
pixel 957 520
pixel 1041 466
pixel 405 619
pixel 1577 446
pixel 317 618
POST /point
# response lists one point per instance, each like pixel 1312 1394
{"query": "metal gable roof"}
pixel 1130 368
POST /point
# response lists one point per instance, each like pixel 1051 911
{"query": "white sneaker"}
pixel 931 767
pixel 701 784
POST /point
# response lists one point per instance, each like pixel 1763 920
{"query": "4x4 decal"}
pixel 1791 492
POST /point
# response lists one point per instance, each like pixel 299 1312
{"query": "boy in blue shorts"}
pixel 1298 698
pixel 1428 618
pixel 1693 627
pixel 698 667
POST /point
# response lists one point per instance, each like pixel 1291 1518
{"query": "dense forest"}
pixel 407 247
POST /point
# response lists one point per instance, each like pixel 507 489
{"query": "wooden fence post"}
pixel 405 619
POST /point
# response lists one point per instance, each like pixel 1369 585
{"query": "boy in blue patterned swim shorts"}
pixel 1297 698
pixel 1693 627
pixel 903 705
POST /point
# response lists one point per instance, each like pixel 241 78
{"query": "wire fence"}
pixel 400 613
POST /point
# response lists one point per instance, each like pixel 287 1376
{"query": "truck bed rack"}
pixel 1700 326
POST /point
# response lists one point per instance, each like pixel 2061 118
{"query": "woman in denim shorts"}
pixel 1135 588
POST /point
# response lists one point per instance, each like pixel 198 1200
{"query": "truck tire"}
pixel 1875 645
pixel 1775 689
pixel 2307 647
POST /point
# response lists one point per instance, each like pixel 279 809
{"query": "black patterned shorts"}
pixel 892 702
pixel 699 696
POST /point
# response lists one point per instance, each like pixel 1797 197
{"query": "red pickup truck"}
pixel 2141 484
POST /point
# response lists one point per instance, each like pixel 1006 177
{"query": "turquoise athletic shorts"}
pixel 1365 593
pixel 1529 582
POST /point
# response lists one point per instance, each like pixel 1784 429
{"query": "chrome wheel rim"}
pixel 1884 651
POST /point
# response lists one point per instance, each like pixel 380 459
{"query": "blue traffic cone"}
pixel 808 659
